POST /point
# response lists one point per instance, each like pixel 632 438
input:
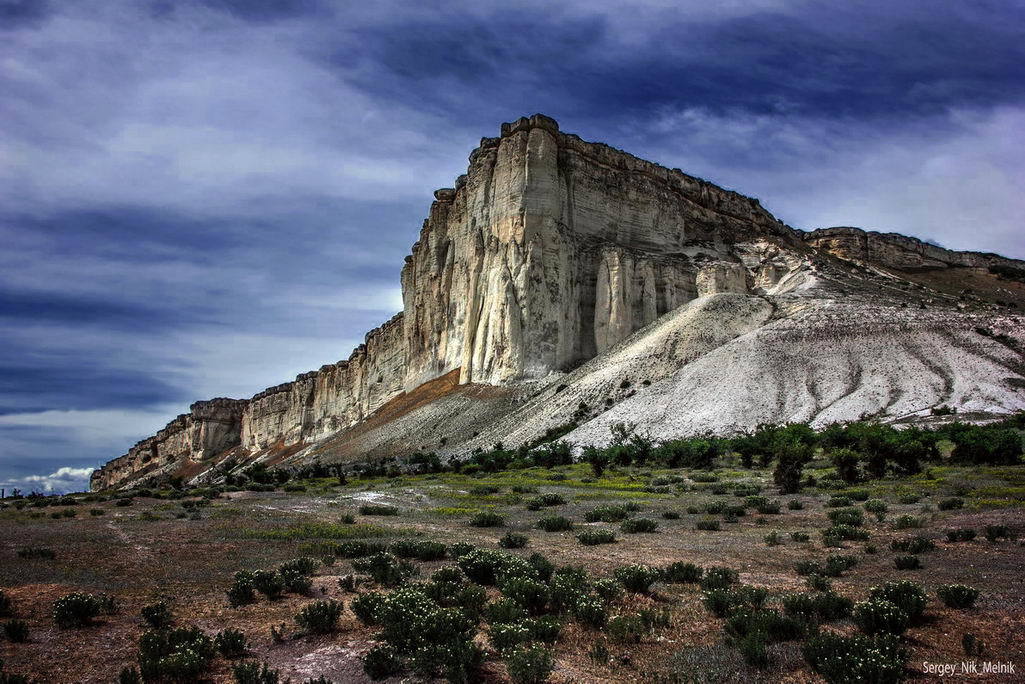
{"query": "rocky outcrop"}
pixel 209 428
pixel 898 251
pixel 550 251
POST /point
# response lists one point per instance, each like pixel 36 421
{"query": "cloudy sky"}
pixel 204 198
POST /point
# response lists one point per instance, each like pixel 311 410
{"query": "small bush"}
pixel 231 643
pixel 607 514
pixel 719 578
pixel 840 659
pixel 957 595
pixel 513 540
pixel 636 525
pixel 530 665
pixel 769 508
pixel 916 544
pixel 637 578
pixel 608 589
pixel 670 515
pixel 627 629
pixel 76 610
pixel 907 522
pixel 385 569
pixel 708 525
pixel 822 607
pixel 504 610
pixel 795 505
pixel 378 509
pixel 907 562
pixel 157 615
pixel 961 534
pixel 839 501
pixel 420 549
pixel 905 594
pixel 16 631
pixel 487 519
pixel 877 616
pixel 40 552
pixel 818 582
pixel 996 532
pixel 682 573
pixel 483 565
pixel 6 606
pixel 951 504
pixel 319 617
pixel 773 538
pixel 96 511
pixel 181 654
pixel 382 662
pixel 255 673
pixel 529 593
pixel 722 601
pixel 269 583
pixel 367 608
pixel 545 500
pixel 505 637
pixel 596 536
pixel 847 516
pixel 554 523
pixel 800 537
pixel 591 612
pixel 242 590
pixel 876 506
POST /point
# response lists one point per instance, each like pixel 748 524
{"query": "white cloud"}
pixel 62 480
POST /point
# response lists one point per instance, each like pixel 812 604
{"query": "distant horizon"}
pixel 206 198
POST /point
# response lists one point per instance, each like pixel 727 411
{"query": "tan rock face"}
pixel 547 252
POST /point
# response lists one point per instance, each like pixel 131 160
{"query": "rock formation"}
pixel 549 253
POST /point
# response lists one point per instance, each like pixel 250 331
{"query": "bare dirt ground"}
pixel 145 552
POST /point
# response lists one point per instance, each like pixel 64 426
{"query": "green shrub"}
pixel 839 501
pixel 637 578
pixel 378 509
pixel 513 540
pixel 157 615
pixel 181 654
pixel 906 522
pixel 269 583
pixel 96 511
pixel 800 537
pixel 607 514
pixel 242 590
pixel 608 589
pixel 907 562
pixel 818 582
pixel 719 578
pixel 682 573
pixel 627 629
pixel 507 636
pixel 504 610
pixel 255 673
pixel 530 665
pixel 382 662
pixel 723 600
pixel 995 532
pixel 877 616
pixel 545 629
pixel 385 569
pixel 541 565
pixel 484 490
pixel 636 525
pixel 773 538
pixel 483 565
pixel 845 660
pixel 231 643
pixel 545 500
pixel 876 506
pixel 670 515
pixel 76 610
pixel 916 544
pixel 957 595
pixel 771 625
pixel 769 508
pixel 420 549
pixel 487 519
pixel 950 504
pixel 795 505
pixel 961 534
pixel 591 612
pixel 16 631
pixel 529 593
pixel 367 608
pixel 821 607
pixel 593 537
pixel 847 516
pixel 835 535
pixel 905 594
pixel 837 564
pixel 554 523
pixel 319 617
pixel 708 525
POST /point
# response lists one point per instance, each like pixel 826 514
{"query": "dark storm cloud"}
pixel 207 197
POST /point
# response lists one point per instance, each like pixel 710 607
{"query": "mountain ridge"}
pixel 548 254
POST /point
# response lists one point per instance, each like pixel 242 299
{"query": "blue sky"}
pixel 204 198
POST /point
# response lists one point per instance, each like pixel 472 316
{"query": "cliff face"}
pixel 548 252
pixel 207 429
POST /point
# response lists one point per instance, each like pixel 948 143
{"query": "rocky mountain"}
pixel 564 283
